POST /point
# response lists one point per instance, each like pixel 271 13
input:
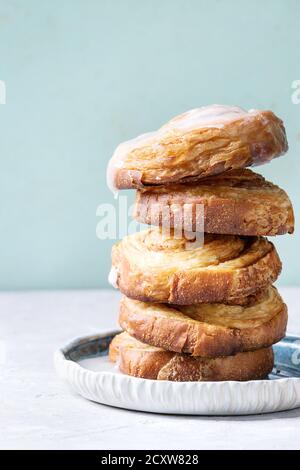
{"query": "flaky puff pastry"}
pixel 238 202
pixel 153 267
pixel 140 360
pixel 207 330
pixel 196 144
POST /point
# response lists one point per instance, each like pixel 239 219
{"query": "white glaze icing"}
pixel 117 160
pixel 113 277
pixel 215 115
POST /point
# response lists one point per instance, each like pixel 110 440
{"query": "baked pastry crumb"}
pixel 153 267
pixel 140 360
pixel 237 202
pixel 207 330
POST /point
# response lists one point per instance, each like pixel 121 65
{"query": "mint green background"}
pixel 83 75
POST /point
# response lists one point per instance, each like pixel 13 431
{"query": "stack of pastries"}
pixel 201 311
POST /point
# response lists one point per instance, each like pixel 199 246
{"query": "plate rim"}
pixel 60 355
pixel 223 398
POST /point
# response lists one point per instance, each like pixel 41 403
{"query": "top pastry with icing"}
pixel 196 144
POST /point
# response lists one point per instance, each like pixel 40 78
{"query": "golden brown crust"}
pixel 140 360
pixel 238 202
pixel 207 330
pixel 196 144
pixel 152 267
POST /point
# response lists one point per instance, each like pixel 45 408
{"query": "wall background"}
pixel 83 75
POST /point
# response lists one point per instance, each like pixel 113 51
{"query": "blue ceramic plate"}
pixel 84 365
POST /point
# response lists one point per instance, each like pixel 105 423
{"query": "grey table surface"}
pixel 38 411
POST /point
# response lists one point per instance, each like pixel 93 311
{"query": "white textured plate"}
pixel 84 365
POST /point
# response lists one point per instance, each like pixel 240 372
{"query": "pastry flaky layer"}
pixel 153 267
pixel 238 202
pixel 201 142
pixel 140 360
pixel 207 330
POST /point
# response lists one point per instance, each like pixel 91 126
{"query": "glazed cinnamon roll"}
pixel 238 202
pixel 153 267
pixel 207 330
pixel 140 360
pixel 201 142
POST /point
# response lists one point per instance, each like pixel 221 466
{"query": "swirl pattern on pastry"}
pixel 207 330
pixel 140 360
pixel 238 202
pixel 153 267
pixel 201 142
